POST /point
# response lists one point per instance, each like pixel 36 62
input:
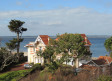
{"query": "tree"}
pixel 70 45
pixel 48 54
pixel 6 58
pixel 108 45
pixel 67 45
pixel 16 27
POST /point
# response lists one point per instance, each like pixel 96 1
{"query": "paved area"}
pixel 15 68
pixel 18 67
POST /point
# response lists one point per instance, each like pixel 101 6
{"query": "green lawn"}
pixel 14 75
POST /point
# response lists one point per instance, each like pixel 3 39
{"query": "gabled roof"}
pixel 102 60
pixel 107 59
pixel 85 39
pixel 45 39
pixel 83 36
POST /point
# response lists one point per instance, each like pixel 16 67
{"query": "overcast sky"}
pixel 50 17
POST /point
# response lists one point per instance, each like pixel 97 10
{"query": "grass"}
pixel 13 76
pixel 16 75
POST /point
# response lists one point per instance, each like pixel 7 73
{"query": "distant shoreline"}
pixel 89 36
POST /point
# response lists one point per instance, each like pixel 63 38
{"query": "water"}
pixel 97 47
pixel 26 40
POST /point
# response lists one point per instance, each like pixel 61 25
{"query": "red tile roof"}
pixel 84 37
pixel 45 39
pixel 107 59
pixel 102 60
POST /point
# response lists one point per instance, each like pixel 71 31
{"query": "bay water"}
pixel 97 47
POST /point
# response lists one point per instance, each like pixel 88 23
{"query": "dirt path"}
pixel 15 68
pixel 18 67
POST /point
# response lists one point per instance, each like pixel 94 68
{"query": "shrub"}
pixel 104 78
pixel 53 66
pixel 66 70
pixel 36 67
pixel 13 76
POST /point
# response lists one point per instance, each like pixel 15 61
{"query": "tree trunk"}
pixel 77 62
pixel 18 45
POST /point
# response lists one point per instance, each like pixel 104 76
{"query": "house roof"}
pixel 102 60
pixel 30 44
pixel 45 39
pixel 107 59
pixel 85 39
pixel 83 36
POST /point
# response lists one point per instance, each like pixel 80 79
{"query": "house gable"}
pixel 43 39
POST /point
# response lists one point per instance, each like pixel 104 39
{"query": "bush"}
pixel 13 76
pixel 22 58
pixel 66 70
pixel 37 67
pixel 53 66
pixel 104 78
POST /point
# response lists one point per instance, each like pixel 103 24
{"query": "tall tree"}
pixel 108 45
pixel 16 27
pixel 67 45
pixel 70 45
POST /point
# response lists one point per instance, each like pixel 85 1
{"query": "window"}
pixel 40 48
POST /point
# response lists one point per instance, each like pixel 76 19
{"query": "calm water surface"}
pixel 97 47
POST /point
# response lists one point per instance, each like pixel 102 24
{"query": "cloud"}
pixel 51 22
pixel 105 3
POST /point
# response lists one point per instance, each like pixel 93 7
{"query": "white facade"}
pixel 33 48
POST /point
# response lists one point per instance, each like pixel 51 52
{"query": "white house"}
pixel 40 44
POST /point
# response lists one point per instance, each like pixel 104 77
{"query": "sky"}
pixel 50 17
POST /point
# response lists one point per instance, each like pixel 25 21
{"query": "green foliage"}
pixel 65 70
pixel 108 45
pixel 16 75
pixel 16 26
pixel 37 67
pixel 69 45
pixel 6 58
pixel 63 73
pixel 66 45
pixel 53 66
pixel 13 76
pixel 13 43
pixel 48 54
pixel 104 78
